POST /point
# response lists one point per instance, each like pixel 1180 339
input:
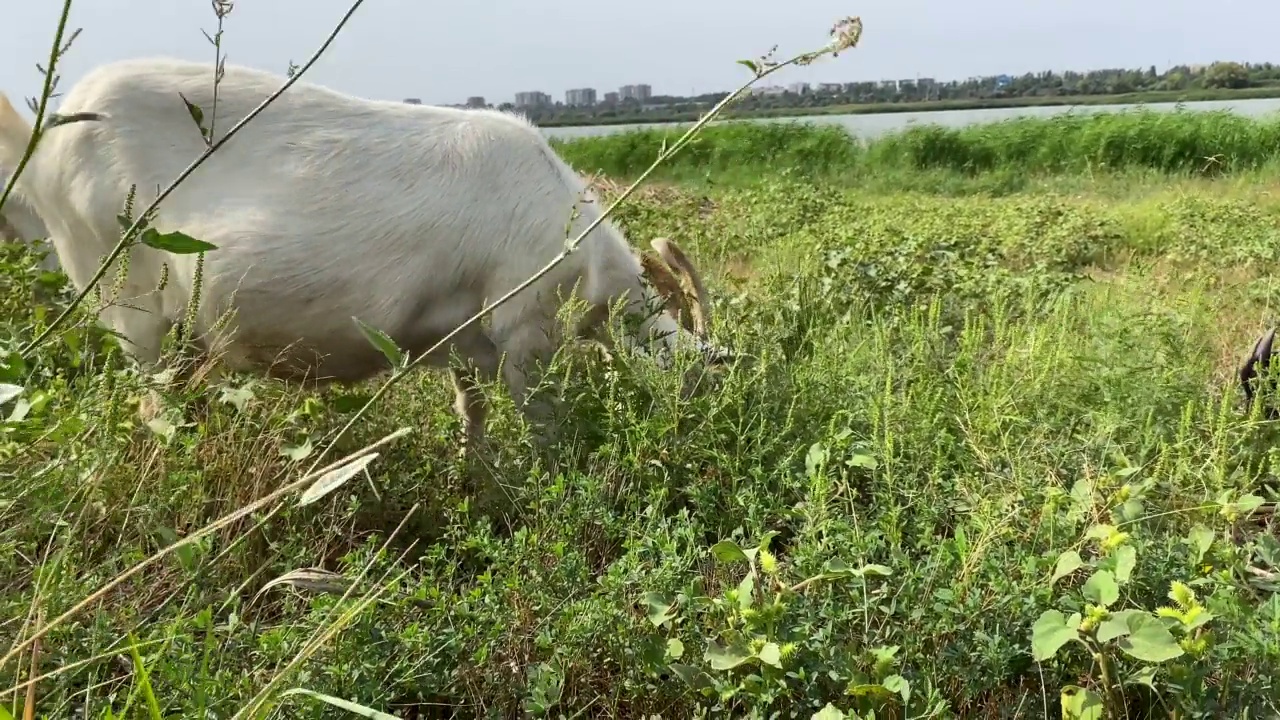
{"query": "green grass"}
pixel 882 108
pixel 948 395
pixel 1006 154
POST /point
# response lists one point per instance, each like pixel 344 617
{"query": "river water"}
pixel 870 126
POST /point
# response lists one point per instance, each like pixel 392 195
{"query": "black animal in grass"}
pixel 1254 378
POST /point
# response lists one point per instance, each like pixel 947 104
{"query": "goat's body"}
pixel 323 207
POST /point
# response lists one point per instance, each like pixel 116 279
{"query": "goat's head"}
pixel 686 302
pixel 20 223
pixel 19 219
pixel 1258 387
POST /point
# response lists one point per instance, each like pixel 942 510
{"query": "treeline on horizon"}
pixel 1220 77
pixel 1180 142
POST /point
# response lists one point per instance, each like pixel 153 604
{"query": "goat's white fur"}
pixel 324 207
pixel 20 223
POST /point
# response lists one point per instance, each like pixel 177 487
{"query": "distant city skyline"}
pixel 533 98
pixel 443 54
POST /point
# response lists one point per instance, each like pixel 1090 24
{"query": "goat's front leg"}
pixel 523 335
pixel 141 333
pixel 479 361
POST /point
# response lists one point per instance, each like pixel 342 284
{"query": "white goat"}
pixel 324 207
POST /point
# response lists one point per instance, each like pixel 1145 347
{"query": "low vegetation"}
pixel 1006 154
pixel 987 459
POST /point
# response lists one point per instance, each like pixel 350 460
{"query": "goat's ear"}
pixel 1257 363
pixel 668 286
pixel 679 262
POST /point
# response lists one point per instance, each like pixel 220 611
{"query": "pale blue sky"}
pixel 443 52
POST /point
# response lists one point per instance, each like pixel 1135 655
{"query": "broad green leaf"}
pixel 187 555
pixel 1248 503
pixel 335 478
pixel 1101 588
pixel 297 452
pixel 815 459
pixel 660 608
pixel 858 689
pixel 695 678
pixel 830 712
pixel 1068 562
pixel 353 708
pixel 1131 509
pixel 1082 495
pixel 236 397
pixel 1144 676
pixel 863 461
pixel 836 568
pixel 884 658
pixel 1100 532
pixel 4 713
pixel 726 657
pixel 1051 631
pixel 771 654
pixel 746 590
pixel 675 649
pixel 1117 625
pixel 728 551
pixel 1200 538
pixel 382 342
pixel 898 684
pixel 763 544
pixel 1125 558
pixel 178 243
pixel 1149 640
pixel 1080 704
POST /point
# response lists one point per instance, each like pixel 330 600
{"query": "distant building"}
pixel 831 88
pixel 639 93
pixel 906 84
pixel 1003 80
pixel 611 98
pixel 888 84
pixel 800 88
pixel 580 97
pixel 476 101
pixel 532 98
pixel 413 101
pixel 759 90
pixel 926 82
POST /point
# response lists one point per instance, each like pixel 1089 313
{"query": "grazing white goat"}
pixel 324 207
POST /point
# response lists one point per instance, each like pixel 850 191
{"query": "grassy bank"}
pixel 1135 98
pixel 964 416
pixel 1179 143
